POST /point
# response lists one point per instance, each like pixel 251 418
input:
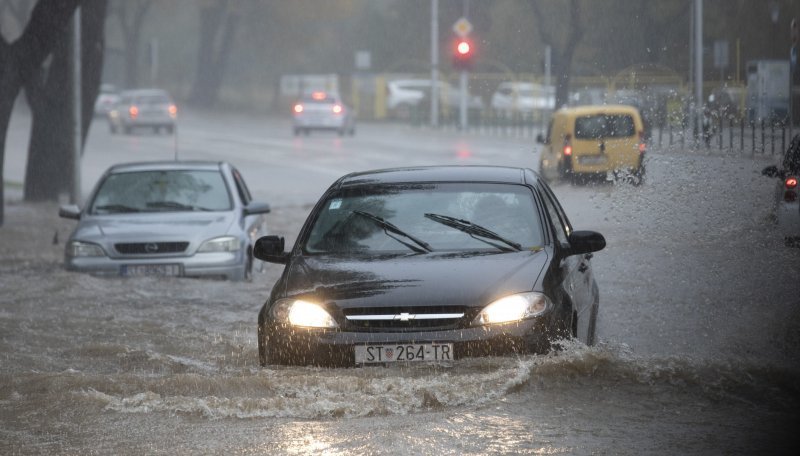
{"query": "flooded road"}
pixel 699 346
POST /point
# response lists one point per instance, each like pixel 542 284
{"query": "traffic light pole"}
pixel 463 104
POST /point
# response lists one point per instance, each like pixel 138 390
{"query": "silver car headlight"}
pixel 297 312
pixel 84 249
pixel 513 308
pixel 220 244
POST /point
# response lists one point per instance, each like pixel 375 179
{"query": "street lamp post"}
pixel 774 12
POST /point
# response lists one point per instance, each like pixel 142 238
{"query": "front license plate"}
pixel 390 353
pixel 149 270
pixel 592 160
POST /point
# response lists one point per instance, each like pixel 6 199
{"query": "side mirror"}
pixel 70 211
pixel 585 242
pixel 257 208
pixel 771 171
pixel 270 249
pixel 540 138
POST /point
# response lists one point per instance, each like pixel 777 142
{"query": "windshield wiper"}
pixel 474 230
pixel 174 205
pixel 388 227
pixel 117 208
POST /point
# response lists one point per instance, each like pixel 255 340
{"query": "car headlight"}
pixel 220 244
pixel 297 312
pixel 84 249
pixel 513 308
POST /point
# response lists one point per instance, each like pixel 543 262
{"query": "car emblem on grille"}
pixel 404 316
pixel 151 247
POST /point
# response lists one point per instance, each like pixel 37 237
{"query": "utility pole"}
pixel 434 63
pixel 698 63
pixel 75 194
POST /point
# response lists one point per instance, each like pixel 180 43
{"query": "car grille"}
pixel 150 248
pixel 417 318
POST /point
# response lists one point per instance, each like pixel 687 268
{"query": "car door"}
pixel 574 271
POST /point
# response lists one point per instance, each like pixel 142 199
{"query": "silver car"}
pixel 144 108
pixel 193 219
pixel 322 111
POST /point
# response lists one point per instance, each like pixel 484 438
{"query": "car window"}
pixel 561 224
pixel 159 191
pixel 241 187
pixel 601 126
pixel 508 210
pixel 152 99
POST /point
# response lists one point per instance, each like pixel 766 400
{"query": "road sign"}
pixel 462 27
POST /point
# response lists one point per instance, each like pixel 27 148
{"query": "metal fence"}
pixel 726 135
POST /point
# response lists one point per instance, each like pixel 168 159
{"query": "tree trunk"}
pixel 47 172
pixel 211 59
pixel 19 60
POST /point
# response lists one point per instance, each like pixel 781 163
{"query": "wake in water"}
pixel 314 393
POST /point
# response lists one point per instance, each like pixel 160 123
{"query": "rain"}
pixel 698 332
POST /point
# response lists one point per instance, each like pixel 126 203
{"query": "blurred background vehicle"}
pixel 194 219
pixel 524 97
pixel 106 99
pixel 323 111
pixel 405 95
pixel 787 204
pixel 147 108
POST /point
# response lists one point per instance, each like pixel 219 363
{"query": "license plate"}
pixel 592 160
pixel 390 353
pixel 150 270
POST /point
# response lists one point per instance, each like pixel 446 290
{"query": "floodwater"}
pixel 699 346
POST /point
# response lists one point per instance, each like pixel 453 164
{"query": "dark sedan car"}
pixel 429 264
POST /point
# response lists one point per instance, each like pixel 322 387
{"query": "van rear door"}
pixel 605 141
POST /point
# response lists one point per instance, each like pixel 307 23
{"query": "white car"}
pixel 787 204
pixel 323 111
pixel 407 94
pixel 524 97
pixel 106 99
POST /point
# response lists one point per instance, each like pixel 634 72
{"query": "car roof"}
pixel 165 165
pixel 600 109
pixel 494 174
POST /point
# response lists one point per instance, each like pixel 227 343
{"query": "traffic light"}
pixel 463 54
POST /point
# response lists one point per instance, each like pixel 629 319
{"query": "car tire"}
pixel 248 268
pixel 128 130
pixel 113 129
pixel 265 356
pixel 591 337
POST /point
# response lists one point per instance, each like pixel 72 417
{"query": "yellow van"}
pixel 597 139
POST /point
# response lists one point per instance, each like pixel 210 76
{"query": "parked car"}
pixel 194 219
pixel 607 140
pixel 323 111
pixel 787 204
pixel 106 100
pixel 143 108
pixel 523 97
pixel 405 95
pixel 429 264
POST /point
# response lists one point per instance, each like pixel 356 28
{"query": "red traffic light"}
pixel 463 54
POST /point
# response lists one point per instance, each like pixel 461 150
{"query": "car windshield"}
pixel 604 126
pixel 341 227
pixel 162 191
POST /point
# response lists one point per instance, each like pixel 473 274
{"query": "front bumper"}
pixel 290 345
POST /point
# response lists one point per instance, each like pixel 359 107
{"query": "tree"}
pixel 563 46
pixel 130 15
pixel 49 143
pixel 218 25
pixel 21 58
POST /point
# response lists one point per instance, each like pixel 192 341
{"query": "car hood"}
pixel 192 227
pixel 424 280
